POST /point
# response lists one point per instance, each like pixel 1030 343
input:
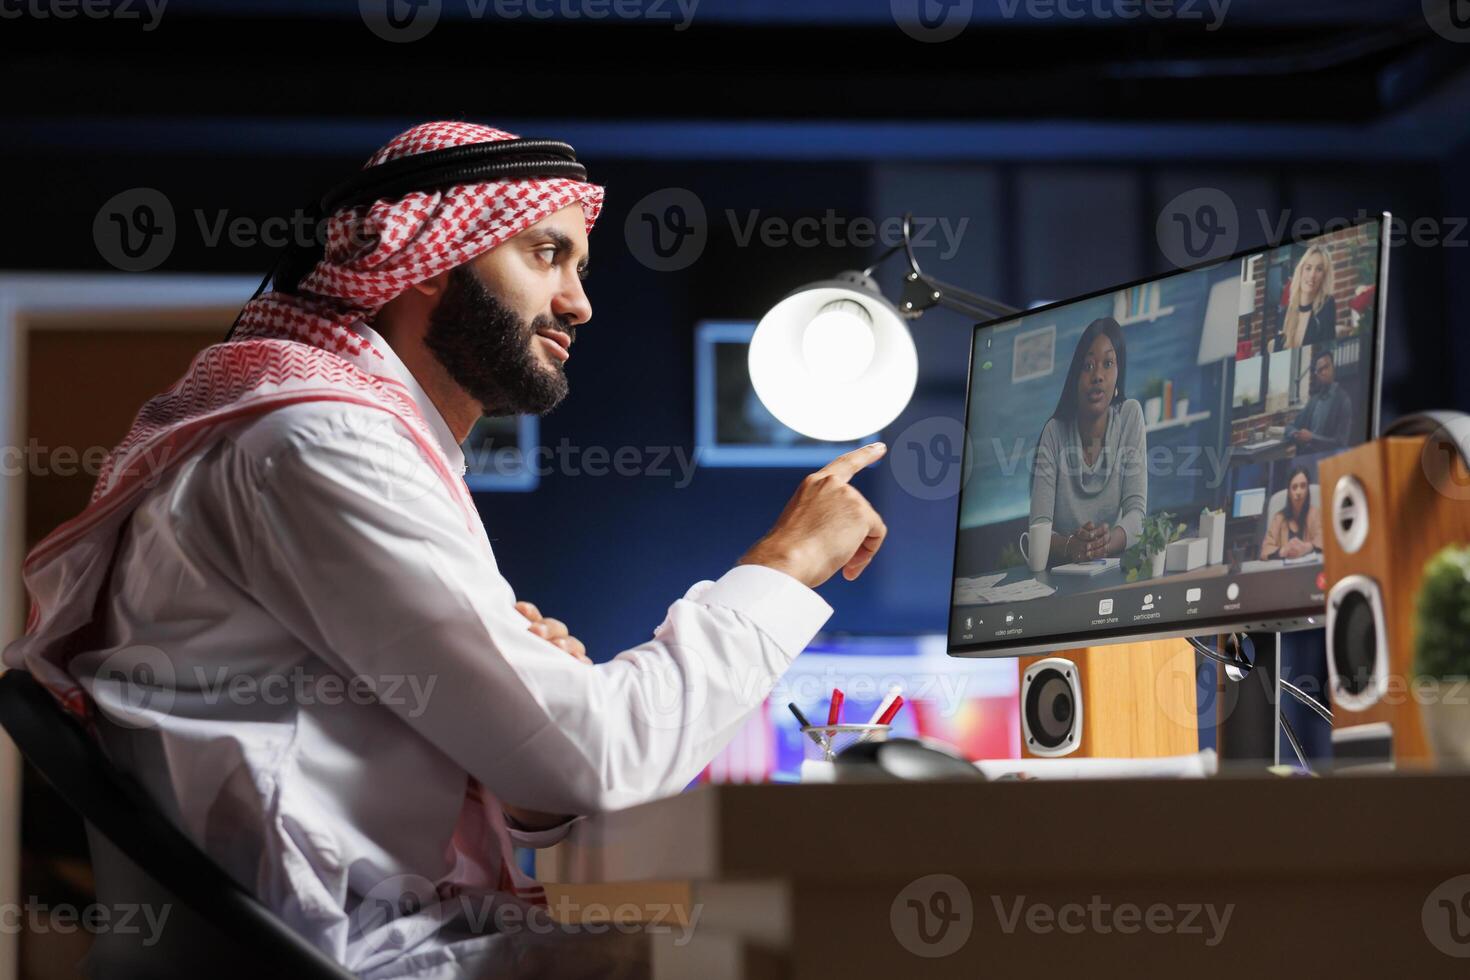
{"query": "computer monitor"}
pixel 1141 462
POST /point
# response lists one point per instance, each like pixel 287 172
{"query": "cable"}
pixel 1296 745
pixel 1245 667
pixel 1242 665
pixel 1322 710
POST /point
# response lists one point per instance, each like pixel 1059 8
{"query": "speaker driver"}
pixel 1350 514
pixel 1357 643
pixel 1051 707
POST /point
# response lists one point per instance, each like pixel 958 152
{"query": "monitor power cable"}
pixel 1237 667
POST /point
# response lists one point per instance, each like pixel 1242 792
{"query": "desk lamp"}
pixel 834 360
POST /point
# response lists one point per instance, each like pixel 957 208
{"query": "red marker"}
pixel 834 712
pixel 887 716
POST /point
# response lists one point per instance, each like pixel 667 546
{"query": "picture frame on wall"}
pixel 1034 354
pixel 731 426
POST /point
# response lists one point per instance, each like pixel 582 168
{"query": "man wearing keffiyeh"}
pixel 290 519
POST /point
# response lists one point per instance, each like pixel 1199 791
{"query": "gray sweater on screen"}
pixel 1114 489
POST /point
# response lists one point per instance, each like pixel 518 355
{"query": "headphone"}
pixel 1455 427
pixel 435 170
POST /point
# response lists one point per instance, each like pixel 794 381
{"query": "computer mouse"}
pixel 909 759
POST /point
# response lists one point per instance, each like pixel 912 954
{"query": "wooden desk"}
pixel 1319 877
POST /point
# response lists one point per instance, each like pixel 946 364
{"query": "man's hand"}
pixel 1303 435
pixel 826 525
pixel 553 630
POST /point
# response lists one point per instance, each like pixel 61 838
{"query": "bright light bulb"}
pixel 838 342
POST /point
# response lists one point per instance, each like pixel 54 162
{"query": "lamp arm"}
pixel 882 258
pixel 922 291
pixel 962 300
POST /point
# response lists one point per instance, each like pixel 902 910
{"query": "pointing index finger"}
pixel 845 466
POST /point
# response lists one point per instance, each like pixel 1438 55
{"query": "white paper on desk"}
pixel 974 585
pixel 1089 568
pixel 1262 566
pixel 1196 765
pixel 982 590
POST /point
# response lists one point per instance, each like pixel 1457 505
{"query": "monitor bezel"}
pixel 1284 621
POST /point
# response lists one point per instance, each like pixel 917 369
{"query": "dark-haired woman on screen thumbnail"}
pixel 1295 530
pixel 1091 479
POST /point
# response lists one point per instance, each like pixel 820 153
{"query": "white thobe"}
pixel 307 655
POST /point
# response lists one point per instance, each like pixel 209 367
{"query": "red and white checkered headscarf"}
pixel 375 252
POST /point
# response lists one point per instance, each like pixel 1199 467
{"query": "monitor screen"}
pixel 1142 462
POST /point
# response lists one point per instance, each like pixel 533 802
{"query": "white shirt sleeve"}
pixel 391 588
pixel 537 839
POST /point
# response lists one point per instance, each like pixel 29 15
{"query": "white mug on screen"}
pixel 1036 545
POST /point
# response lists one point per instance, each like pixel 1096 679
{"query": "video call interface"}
pixel 1146 459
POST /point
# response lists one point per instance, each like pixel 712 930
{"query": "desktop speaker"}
pixel 1394 503
pixel 1132 700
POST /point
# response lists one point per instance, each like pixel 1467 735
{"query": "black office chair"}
pixel 215 929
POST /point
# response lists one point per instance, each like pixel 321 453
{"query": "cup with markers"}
pixel 821 744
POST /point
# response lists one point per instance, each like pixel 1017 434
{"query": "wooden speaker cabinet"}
pixel 1393 504
pixel 1129 700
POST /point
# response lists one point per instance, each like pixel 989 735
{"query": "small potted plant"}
pixel 1145 559
pixel 1442 655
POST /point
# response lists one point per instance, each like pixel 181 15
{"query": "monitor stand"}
pixel 1248 711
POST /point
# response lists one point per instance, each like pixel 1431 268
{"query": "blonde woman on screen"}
pixel 1311 310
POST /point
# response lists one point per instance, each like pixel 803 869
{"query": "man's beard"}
pixel 487 349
